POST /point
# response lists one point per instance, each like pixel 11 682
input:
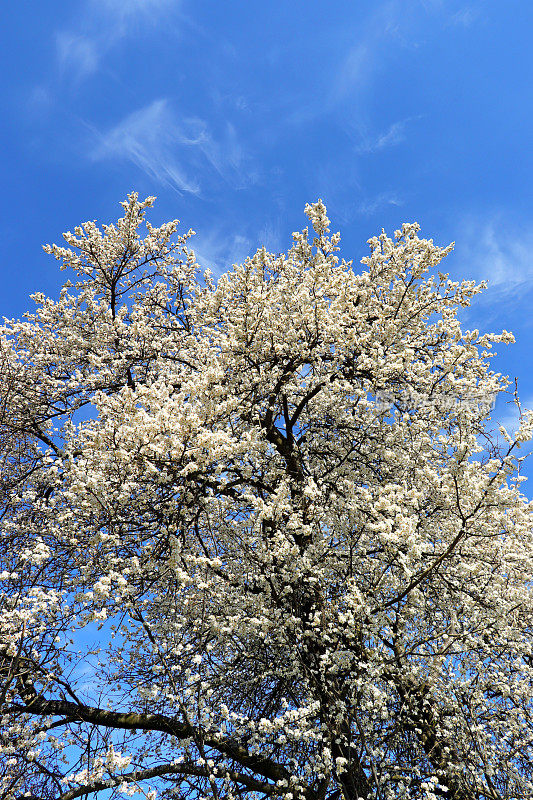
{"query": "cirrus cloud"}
pixel 160 143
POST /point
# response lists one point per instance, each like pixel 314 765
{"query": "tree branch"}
pixel 73 712
pixel 171 769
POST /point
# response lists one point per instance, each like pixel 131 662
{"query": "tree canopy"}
pixel 256 541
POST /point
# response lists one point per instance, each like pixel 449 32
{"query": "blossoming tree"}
pixel 255 541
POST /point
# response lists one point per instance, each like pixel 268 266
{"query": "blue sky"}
pixel 235 114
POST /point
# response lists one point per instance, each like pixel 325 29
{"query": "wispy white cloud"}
pixel 395 134
pixel 122 16
pixel 77 56
pixel 372 204
pixel 498 251
pixel 100 26
pixel 225 155
pixel 218 251
pixel 466 16
pixel 159 142
pixel 355 71
pixel 150 138
pixel 392 24
pixel 367 55
pixel 86 677
pixel 133 7
pixel 40 100
pixel 270 237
